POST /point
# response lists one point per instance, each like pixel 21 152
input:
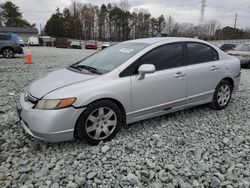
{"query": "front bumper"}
pixel 245 63
pixel 19 50
pixel 244 60
pixel 48 125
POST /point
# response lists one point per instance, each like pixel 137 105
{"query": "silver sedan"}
pixel 125 83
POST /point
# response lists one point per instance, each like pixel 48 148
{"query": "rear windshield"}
pixel 112 57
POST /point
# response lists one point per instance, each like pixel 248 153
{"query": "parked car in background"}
pixel 242 52
pixel 125 83
pixel 105 45
pixel 10 44
pixel 76 44
pixel 33 41
pixel 61 42
pixel 91 44
pixel 227 47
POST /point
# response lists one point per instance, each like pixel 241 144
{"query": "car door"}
pixel 3 39
pixel 204 72
pixel 166 87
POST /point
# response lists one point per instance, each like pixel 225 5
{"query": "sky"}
pixel 183 11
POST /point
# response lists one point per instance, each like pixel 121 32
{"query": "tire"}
pixel 222 95
pixel 99 122
pixel 8 53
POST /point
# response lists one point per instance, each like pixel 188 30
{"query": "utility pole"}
pixel 41 30
pixel 202 13
pixel 235 20
pixel 169 25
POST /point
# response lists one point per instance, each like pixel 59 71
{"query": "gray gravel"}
pixel 198 147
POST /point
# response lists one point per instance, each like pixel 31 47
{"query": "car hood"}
pixel 243 56
pixel 56 80
pixel 239 53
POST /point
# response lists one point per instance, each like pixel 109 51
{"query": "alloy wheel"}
pixel 8 53
pixel 223 95
pixel 101 123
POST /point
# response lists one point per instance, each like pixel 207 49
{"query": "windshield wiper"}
pixel 86 67
pixel 74 66
pixel 89 68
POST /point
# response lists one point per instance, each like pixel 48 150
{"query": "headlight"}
pixel 52 104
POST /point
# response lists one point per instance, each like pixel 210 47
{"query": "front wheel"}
pixel 99 122
pixel 222 95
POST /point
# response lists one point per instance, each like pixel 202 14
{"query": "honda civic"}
pixel 125 83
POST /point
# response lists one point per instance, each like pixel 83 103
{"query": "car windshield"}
pixel 16 37
pixel 112 57
pixel 243 47
pixel 75 43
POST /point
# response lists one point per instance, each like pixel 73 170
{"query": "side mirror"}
pixel 145 69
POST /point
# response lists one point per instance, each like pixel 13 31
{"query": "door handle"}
pixel 179 75
pixel 214 68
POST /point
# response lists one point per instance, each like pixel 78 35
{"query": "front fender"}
pixel 88 92
pixel 84 101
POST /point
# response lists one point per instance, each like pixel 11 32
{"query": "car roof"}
pixel 166 39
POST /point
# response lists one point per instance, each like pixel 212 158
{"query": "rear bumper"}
pixel 75 47
pixel 90 47
pixel 48 125
pixel 237 82
pixel 245 63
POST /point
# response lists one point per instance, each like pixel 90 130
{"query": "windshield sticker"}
pixel 126 50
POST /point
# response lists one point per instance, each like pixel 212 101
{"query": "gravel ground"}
pixel 198 147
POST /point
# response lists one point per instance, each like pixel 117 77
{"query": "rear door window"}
pixel 200 53
pixel 4 37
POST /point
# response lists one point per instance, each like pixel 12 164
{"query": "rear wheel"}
pixel 99 122
pixel 222 95
pixel 8 53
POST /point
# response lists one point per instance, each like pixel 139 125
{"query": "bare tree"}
pixel 124 5
pixel 213 25
pixel 116 22
pixel 170 25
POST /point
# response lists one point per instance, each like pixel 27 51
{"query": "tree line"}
pixel 115 22
pixel 107 22
pixel 11 16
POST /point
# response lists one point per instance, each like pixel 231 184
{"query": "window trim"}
pixel 216 53
pixel 128 70
pixel 212 52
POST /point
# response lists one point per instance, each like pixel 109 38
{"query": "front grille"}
pixel 30 98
